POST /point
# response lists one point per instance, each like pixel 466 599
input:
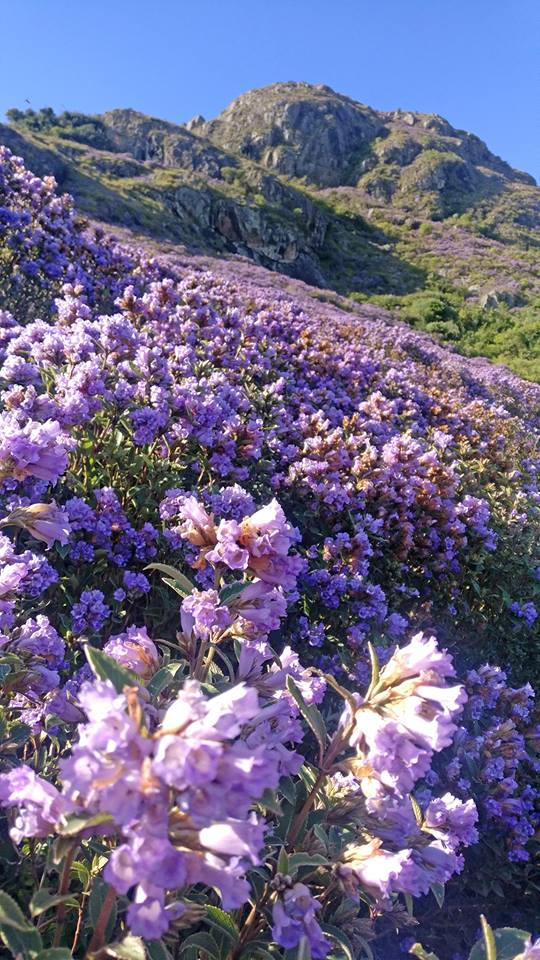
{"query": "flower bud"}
pixel 43 521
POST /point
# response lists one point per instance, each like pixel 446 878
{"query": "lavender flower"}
pixel 33 449
pixel 135 650
pixel 294 917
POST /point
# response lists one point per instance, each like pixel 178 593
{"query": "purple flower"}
pixel 135 650
pixel 294 917
pixel 198 525
pixel 531 951
pixel 409 715
pixel 90 613
pixel 373 868
pixel 262 605
pixel 40 805
pixel 452 821
pixel 38 636
pixel 136 584
pixel 227 549
pixel 207 611
pixel 33 449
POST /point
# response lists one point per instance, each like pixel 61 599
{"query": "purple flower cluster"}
pixel 199 755
pixel 89 613
pixel 495 756
pixel 47 244
pixel 134 650
pixel 295 918
pixel 32 449
pixel 411 477
pixel 410 714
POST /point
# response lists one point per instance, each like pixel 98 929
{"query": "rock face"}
pixel 305 181
pixel 298 130
pixel 164 144
pixel 250 230
pixel 301 130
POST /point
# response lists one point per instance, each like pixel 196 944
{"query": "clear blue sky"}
pixel 476 62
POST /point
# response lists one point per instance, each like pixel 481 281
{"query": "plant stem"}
pixel 98 937
pixel 301 816
pixel 208 661
pixel 62 890
pixel 251 927
pixel 79 924
pixel 334 749
pixel 197 670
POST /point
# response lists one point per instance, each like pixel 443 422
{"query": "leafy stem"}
pixel 62 890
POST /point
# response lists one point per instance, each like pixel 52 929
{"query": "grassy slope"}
pixel 437 274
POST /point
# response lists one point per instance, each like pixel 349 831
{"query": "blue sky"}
pixel 473 61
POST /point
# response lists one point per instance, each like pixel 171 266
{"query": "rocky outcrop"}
pixel 253 231
pixel 309 131
pixel 298 130
pixel 300 179
pixel 165 144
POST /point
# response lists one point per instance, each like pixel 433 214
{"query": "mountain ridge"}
pixel 310 183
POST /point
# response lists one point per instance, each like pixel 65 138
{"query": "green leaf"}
pixel 81 871
pixel 160 681
pixel 157 950
pixel 179 579
pixel 45 899
pixel 232 590
pixel 417 950
pixel 223 922
pixel 417 810
pixel 256 950
pixel 55 953
pixel 19 936
pixel 438 891
pixel 489 939
pixel 105 668
pixel 11 914
pixel 130 948
pixel 310 713
pixel 341 938
pixel 4 670
pixel 288 789
pixel 508 942
pixel 297 860
pixel 375 669
pixel 175 586
pixel 202 941
pixel 271 802
pixel 283 861
pixel 19 733
pixel 60 849
pixel 75 823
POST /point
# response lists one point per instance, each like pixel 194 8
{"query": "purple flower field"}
pixel 269 616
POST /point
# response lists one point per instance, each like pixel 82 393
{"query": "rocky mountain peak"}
pixel 297 129
pixel 308 182
pixel 309 131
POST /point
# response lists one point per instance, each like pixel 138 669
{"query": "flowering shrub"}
pixel 232 524
pixel 505 942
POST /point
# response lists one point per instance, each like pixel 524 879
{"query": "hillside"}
pixel 400 209
pixel 311 702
